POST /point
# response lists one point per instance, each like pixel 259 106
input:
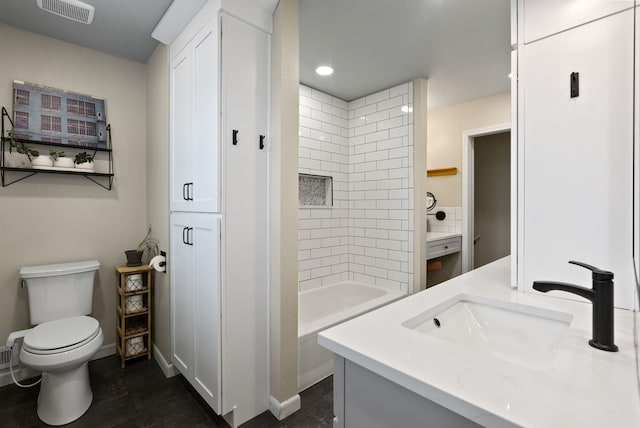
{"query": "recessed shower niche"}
pixel 315 190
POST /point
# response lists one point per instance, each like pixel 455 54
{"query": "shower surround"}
pixel 366 145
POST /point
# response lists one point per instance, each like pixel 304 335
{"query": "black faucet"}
pixel 601 297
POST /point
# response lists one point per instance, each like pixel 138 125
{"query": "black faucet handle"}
pixel 597 274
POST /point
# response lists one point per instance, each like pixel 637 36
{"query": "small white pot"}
pixel 85 165
pixel 16 160
pixel 63 162
pixel 41 161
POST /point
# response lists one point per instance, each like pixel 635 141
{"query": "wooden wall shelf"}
pixel 436 172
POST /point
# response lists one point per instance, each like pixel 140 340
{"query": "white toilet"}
pixel 64 337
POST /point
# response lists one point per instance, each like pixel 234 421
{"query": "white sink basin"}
pixel 510 331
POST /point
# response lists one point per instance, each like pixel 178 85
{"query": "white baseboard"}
pixel 22 373
pixel 168 369
pixel 105 351
pixel 283 409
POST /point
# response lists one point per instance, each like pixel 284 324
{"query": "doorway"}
pixel 486 196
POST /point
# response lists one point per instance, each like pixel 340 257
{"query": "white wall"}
pixel 444 140
pixel 157 103
pixel 283 205
pixel 60 218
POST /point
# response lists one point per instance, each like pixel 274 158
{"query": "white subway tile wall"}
pixel 452 222
pixel 366 145
pixel 323 234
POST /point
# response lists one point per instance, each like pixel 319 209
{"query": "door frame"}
pixel 468 156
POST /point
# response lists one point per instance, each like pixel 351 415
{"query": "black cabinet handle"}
pixel 575 84
pixel 262 142
pixel 187 236
pixel 187 191
pixel 235 137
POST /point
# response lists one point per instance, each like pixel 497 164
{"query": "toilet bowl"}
pixel 61 349
pixel 64 337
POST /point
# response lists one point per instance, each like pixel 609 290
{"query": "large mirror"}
pixel 374 47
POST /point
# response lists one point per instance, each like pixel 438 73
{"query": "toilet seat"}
pixel 61 335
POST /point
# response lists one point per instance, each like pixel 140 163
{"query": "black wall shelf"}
pixel 102 179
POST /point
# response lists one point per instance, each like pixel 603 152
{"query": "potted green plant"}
pixel 84 161
pixel 32 154
pixel 147 249
pixel 59 159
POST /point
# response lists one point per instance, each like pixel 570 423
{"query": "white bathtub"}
pixel 326 306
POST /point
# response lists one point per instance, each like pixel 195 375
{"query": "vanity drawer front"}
pixel 443 247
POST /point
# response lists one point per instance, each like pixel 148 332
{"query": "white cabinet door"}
pixel 206 188
pixel 245 104
pixel 543 18
pixel 195 301
pixel 195 148
pixel 578 152
pixel 182 151
pixel 182 271
pixel 206 307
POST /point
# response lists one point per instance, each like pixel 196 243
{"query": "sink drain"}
pixel 436 321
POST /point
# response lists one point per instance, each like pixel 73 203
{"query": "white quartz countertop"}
pixel 437 236
pixel 580 387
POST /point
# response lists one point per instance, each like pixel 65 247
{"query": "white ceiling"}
pixel 462 46
pixel 120 27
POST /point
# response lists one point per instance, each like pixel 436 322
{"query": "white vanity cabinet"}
pixel 441 244
pixel 219 72
pixel 363 398
pixel 575 151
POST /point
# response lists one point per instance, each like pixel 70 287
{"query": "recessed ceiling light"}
pixel 324 70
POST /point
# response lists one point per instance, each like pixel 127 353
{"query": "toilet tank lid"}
pixel 58 269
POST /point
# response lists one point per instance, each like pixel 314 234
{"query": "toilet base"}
pixel 64 395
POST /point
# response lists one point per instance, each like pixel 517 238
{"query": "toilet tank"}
pixel 59 290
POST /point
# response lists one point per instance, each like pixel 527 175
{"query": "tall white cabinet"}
pixel 575 142
pixel 219 72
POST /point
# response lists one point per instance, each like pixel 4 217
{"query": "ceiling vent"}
pixel 74 10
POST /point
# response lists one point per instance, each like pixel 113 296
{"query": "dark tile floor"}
pixel 140 396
